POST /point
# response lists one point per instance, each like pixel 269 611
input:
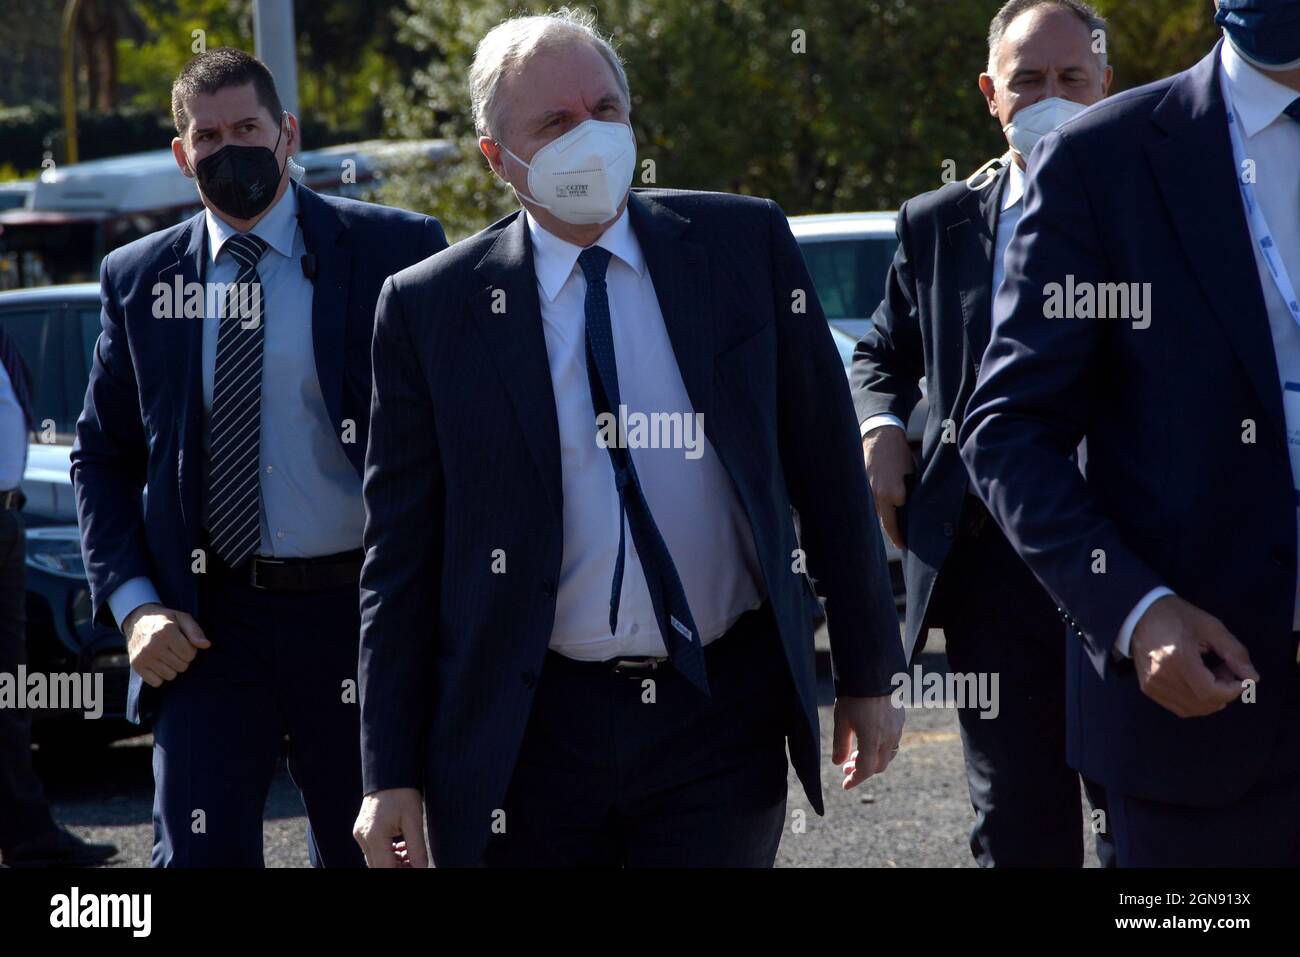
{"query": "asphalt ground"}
pixel 917 814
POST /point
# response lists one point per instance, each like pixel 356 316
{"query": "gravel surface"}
pixel 915 815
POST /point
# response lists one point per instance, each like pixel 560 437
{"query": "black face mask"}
pixel 240 180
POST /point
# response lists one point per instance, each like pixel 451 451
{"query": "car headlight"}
pixel 56 551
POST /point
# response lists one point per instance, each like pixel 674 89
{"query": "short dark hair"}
pixel 1012 10
pixel 217 69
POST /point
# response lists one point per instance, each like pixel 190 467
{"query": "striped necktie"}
pixel 676 624
pixel 234 515
pixel 17 371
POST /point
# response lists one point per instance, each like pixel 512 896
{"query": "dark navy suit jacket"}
pixel 464 458
pixel 143 419
pixel 934 322
pixel 1141 188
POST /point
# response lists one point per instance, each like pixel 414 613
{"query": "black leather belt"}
pixel 12 499
pixel 294 574
pixel 641 666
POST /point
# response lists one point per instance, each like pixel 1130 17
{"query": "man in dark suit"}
pixel 232 378
pixel 960 573
pixel 586 644
pixel 1143 310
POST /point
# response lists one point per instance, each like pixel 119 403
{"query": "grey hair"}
pixel 513 42
pixel 1012 10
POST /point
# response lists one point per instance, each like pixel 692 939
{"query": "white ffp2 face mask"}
pixel 582 176
pixel 1032 123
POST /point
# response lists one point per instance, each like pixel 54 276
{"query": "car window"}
pixel 29 329
pixel 82 342
pixel 849 274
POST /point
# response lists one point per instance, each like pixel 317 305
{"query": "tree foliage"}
pixel 820 104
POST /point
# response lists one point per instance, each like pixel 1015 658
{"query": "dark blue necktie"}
pixel 676 624
pixel 17 372
pixel 235 427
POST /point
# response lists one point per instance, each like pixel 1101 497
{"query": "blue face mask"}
pixel 1265 32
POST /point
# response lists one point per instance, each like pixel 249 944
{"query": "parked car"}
pixel 55 328
pixel 848 257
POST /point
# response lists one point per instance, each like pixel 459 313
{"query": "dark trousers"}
pixel 997 620
pixel 281 663
pixel 24 815
pixel 614 771
pixel 1260 830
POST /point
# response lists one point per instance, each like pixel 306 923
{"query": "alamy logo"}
pixel 37 691
pixel 978 691
pixel 1098 300
pixel 653 430
pixel 133 911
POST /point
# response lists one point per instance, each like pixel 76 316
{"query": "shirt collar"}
pixel 1015 191
pixel 276 228
pixel 1254 96
pixel 554 258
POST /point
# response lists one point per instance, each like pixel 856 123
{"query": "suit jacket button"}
pixel 528 678
pixel 548 587
pixel 948 529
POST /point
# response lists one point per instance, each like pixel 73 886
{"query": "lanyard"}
pixel 1260 232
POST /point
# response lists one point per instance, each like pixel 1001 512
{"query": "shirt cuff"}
pixel 1125 638
pixel 129 596
pixel 884 418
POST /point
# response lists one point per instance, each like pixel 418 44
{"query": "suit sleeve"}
pixel 110 461
pixel 401 576
pixel 889 361
pixel 821 458
pixel 1032 406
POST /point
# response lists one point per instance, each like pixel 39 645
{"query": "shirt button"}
pixel 279 534
pixel 635 627
pixel 270 469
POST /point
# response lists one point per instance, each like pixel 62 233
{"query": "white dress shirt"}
pixel 13 435
pixel 1008 216
pixel 1272 140
pixel 693 500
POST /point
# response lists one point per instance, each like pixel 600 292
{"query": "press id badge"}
pixel 1291 401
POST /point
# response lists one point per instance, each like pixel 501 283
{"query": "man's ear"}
pixel 492 153
pixel 182 161
pixel 989 87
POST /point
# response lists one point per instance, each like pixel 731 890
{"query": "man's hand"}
pixel 889 460
pixel 161 642
pixel 390 829
pixel 1167 646
pixel 877 724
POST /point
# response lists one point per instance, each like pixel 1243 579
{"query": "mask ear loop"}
pixel 278 137
pixel 990 169
pixel 528 166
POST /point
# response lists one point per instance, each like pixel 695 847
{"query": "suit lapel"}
pixel 184 365
pixel 972 242
pixel 517 345
pixel 679 268
pixel 326 238
pixel 1195 171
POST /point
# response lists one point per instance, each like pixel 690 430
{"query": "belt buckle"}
pixel 631 667
pixel 252 570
